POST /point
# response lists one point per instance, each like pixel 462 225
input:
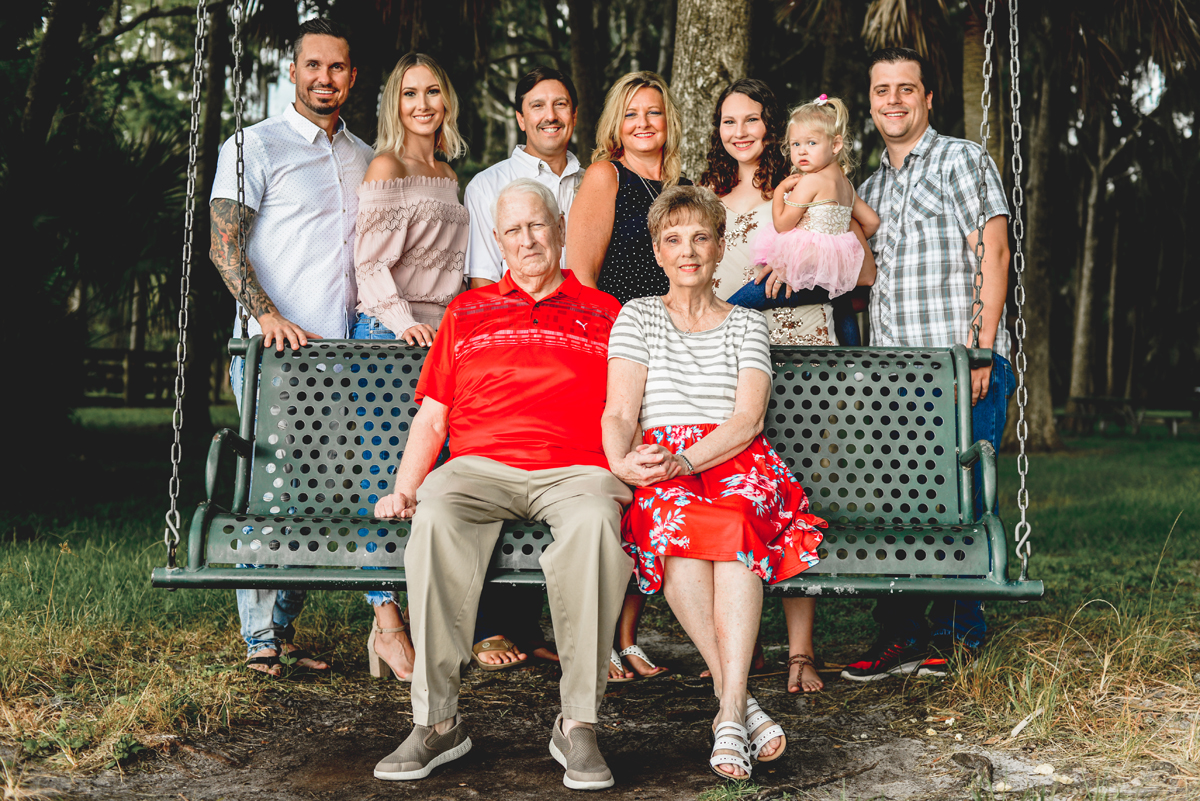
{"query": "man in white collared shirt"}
pixel 545 105
pixel 302 171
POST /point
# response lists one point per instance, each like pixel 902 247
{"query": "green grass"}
pixel 97 662
pixel 100 418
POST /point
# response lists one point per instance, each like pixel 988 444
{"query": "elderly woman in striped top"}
pixel 715 512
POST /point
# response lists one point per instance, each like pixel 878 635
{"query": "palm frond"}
pixel 901 23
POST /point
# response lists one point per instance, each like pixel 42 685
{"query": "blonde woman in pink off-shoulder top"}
pixel 409 250
pixel 411 238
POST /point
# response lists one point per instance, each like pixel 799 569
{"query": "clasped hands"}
pixel 648 464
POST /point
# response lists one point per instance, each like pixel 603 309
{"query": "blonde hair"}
pixel 608 130
pixel 391 130
pixel 683 203
pixel 830 117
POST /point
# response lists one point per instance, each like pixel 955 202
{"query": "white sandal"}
pixel 615 659
pixel 756 717
pixel 730 736
pixel 634 650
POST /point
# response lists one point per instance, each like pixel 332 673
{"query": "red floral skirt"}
pixel 749 508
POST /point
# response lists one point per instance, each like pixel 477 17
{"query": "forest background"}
pixel 94 149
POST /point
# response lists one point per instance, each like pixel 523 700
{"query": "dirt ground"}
pixel 849 742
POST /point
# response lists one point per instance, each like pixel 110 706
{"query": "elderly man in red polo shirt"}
pixel 516 376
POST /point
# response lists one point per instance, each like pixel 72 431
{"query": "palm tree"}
pixel 721 30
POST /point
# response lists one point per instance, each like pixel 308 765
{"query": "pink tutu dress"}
pixel 820 251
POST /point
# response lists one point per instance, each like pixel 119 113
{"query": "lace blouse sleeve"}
pixel 378 245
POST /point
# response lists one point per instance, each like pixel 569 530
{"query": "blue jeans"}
pixel 844 321
pixel 366 327
pixel 754 296
pixel 267 615
pixel 237 367
pixel 904 618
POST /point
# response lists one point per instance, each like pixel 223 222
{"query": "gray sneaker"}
pixel 422 751
pixel 580 754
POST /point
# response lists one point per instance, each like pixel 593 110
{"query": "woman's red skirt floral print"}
pixel 749 508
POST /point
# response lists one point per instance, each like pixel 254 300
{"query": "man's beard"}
pixel 323 111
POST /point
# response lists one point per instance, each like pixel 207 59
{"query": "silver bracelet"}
pixel 690 470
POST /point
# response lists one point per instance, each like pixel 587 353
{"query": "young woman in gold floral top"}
pixel 745 160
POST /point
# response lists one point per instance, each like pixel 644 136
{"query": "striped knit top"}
pixel 691 378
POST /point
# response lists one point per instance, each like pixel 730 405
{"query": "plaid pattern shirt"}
pixel 925 286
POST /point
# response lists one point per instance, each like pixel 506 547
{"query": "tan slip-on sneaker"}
pixel 579 753
pixel 422 751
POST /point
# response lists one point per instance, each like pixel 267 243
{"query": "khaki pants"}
pixel 462 506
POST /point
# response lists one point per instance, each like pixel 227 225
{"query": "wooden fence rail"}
pixel 112 376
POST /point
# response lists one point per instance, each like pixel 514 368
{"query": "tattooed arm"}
pixel 276 328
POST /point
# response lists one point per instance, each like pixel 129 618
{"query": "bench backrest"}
pixel 872 435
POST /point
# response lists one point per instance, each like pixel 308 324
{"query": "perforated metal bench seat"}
pixel 874 435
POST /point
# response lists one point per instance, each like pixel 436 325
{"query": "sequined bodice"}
pixel 829 219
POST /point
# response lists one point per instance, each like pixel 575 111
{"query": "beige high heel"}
pixel 380 669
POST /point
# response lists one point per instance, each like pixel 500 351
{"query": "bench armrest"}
pixel 983 450
pixel 225 438
pixel 979 357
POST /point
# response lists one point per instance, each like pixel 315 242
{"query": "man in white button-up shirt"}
pixel 302 171
pixel 545 105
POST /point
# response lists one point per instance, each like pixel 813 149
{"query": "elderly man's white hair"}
pixel 529 187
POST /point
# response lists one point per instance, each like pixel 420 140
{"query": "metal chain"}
pixel 985 130
pixel 237 10
pixel 1024 550
pixel 171 534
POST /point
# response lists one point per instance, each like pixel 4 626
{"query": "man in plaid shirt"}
pixel 926 192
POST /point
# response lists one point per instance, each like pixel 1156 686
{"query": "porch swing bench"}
pixel 880 439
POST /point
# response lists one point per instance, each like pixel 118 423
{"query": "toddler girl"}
pixel 811 244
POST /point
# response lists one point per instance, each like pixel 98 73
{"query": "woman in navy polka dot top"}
pixel 636 157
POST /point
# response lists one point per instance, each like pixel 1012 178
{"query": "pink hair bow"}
pixel 822 100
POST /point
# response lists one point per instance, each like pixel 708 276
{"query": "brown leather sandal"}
pixel 802 660
pixel 500 645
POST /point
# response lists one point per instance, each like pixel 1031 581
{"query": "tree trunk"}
pixel 210 300
pixel 1039 411
pixel 974 28
pixel 1133 316
pixel 638 37
pixel 56 59
pixel 666 41
pixel 720 30
pixel 554 36
pixel 602 39
pixel 585 74
pixel 137 342
pixel 1081 346
pixel 1109 375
